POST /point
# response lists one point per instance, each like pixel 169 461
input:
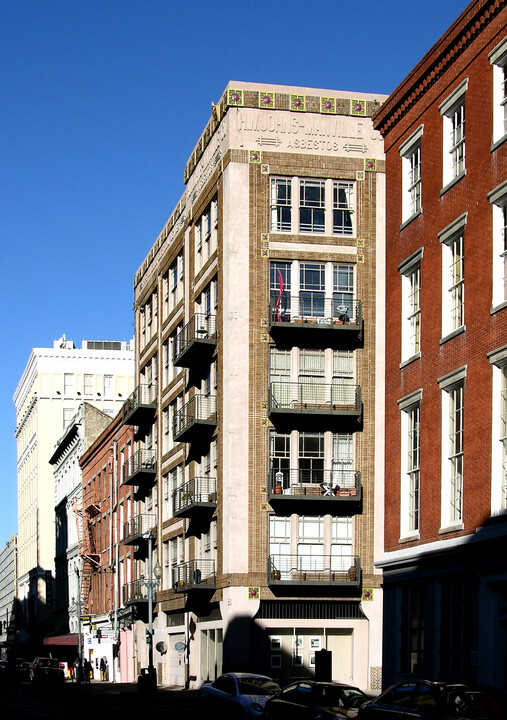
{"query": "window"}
pixel 498 361
pixel 280 289
pixel 458 602
pixel 410 464
pixel 206 234
pixel 343 196
pixel 452 387
pixel 498 60
pixel 498 200
pixel 312 283
pixel 312 206
pixel 108 386
pixel 453 276
pixel 281 205
pixel 410 153
pixel 412 629
pixel 343 290
pixel 88 385
pixel 410 272
pixel 68 384
pixel 68 414
pixel 303 205
pixel 311 457
pixel 453 116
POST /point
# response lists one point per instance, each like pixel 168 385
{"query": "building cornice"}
pixel 462 33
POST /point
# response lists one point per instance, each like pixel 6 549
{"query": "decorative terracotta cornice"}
pixel 462 33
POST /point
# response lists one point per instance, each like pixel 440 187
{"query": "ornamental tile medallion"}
pixel 254 593
pixel 265 239
pixel 267 100
pixel 264 169
pixel 264 252
pixel 264 322
pixel 359 174
pixel 264 422
pixel 360 258
pixel 235 97
pixel 358 107
pixel 367 594
pixel 297 102
pixel 254 156
pixel 370 164
pixel 327 105
pixel 264 338
pixel 360 242
pixel 263 406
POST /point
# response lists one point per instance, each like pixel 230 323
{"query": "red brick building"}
pixel 444 564
pixel 107 564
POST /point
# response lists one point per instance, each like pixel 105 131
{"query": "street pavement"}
pixel 97 701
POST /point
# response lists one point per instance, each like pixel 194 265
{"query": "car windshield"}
pixel 342 697
pixel 49 663
pixel 257 685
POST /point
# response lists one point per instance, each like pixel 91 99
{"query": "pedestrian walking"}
pixel 103 669
pixel 87 671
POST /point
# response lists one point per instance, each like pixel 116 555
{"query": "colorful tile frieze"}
pixel 358 107
pixel 297 102
pixel 327 105
pixel 267 100
pixel 235 97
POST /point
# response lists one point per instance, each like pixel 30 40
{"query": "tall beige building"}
pixel 54 383
pixel 259 344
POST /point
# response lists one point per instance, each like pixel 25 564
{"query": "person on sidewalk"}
pixel 103 669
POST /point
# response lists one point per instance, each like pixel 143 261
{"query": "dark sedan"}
pixel 308 700
pixel 46 670
pixel 423 699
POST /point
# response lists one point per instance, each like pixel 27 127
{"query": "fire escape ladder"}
pixel 84 536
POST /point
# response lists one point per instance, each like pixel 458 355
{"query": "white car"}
pixel 240 695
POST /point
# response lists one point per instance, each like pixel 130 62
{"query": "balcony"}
pixel 140 407
pixel 137 530
pixel 140 469
pixel 134 592
pixel 197 419
pixel 198 495
pixel 194 575
pixel 196 342
pixel 305 570
pixel 315 492
pixel 314 405
pixel 311 319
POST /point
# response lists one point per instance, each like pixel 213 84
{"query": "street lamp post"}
pixel 151 584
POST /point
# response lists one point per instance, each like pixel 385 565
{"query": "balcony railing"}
pixel 330 485
pixel 314 398
pixel 138 528
pixel 134 592
pixel 140 468
pixel 139 408
pixel 198 493
pixel 199 414
pixel 344 570
pixel 195 341
pixel 194 575
pixel 312 309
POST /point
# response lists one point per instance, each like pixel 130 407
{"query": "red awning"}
pixel 70 639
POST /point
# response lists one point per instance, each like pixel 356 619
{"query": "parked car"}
pixel 22 670
pixel 309 700
pixel 240 695
pixel 422 699
pixel 47 670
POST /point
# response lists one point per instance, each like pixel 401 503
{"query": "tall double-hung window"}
pixel 281 205
pixel 410 152
pixel 452 387
pixel 498 200
pixel 312 285
pixel 410 271
pixel 410 408
pixel 498 60
pixel 453 118
pixel 312 203
pixel 453 276
pixel 343 203
pixel 498 361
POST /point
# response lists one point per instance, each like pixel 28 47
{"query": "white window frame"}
pixel 410 469
pixel 498 361
pixel 410 271
pixel 336 202
pixel 498 200
pixel 452 388
pixel 498 61
pixel 453 276
pixel 452 110
pixel 411 183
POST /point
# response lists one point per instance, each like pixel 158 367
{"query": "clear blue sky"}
pixel 102 103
